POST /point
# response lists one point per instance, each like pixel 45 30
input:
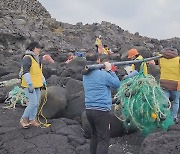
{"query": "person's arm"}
pixel 112 80
pixel 26 64
pixel 96 42
pixel 132 74
pixel 110 77
pixel 135 72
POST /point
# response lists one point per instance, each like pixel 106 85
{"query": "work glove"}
pixel 125 77
pixel 108 66
pixel 44 85
pixel 116 107
pixel 113 68
pixel 30 88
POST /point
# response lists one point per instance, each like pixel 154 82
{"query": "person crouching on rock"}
pixel 32 81
pixel 98 102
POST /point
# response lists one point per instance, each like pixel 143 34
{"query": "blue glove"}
pixel 30 88
pixel 44 85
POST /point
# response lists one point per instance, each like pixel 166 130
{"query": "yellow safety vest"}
pixel 143 65
pixel 98 42
pixel 105 51
pixel 35 73
pixel 170 69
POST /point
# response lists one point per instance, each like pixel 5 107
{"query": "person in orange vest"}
pixel 170 78
pixel 133 54
pixel 98 44
pixel 32 80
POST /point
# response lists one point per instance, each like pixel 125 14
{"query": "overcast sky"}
pixel 152 18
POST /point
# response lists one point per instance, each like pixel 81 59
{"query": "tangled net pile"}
pixel 16 96
pixel 142 103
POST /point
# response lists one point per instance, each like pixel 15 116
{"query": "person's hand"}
pixel 116 107
pixel 30 88
pixel 108 66
pixel 44 85
pixel 113 68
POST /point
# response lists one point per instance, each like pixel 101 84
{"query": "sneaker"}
pixel 176 120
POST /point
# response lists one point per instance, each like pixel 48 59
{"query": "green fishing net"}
pixel 16 96
pixel 143 104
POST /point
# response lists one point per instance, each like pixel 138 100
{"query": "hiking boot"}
pixel 34 123
pixel 24 123
pixel 176 120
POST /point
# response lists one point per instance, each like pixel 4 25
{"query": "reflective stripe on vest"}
pixel 170 69
pixel 35 73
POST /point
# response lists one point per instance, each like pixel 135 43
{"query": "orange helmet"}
pixel 132 53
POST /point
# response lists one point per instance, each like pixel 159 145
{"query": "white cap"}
pixel 128 69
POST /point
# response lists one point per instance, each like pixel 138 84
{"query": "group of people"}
pixel 97 87
pixel 102 49
pixel 98 83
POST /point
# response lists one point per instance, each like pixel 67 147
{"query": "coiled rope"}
pixel 44 124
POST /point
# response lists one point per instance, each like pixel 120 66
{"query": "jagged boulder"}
pixel 74 86
pixel 75 103
pixel 74 68
pixel 161 143
pixel 22 23
pixel 56 102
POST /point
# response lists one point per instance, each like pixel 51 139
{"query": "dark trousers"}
pixel 97 47
pixel 99 121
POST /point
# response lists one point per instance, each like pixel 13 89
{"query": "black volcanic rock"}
pixel 20 23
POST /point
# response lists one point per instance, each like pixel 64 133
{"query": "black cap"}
pixel 34 45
